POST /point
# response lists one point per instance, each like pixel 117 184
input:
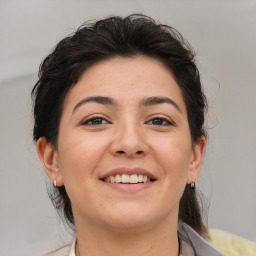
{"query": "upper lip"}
pixel 129 171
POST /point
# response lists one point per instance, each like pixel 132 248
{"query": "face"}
pixel 124 149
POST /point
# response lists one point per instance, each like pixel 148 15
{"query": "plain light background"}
pixel 223 33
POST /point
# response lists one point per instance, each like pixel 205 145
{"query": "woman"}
pixel 119 114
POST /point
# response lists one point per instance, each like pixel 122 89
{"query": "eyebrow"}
pixel 98 99
pixel 149 101
pixel 159 100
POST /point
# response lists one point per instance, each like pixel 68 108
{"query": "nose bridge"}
pixel 129 138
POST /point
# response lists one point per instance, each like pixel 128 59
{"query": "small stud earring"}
pixel 55 183
pixel 192 185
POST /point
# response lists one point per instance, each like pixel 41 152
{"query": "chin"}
pixel 126 225
pixel 129 218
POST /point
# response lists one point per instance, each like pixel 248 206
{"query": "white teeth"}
pixel 112 179
pixel 134 178
pixel 118 178
pixel 125 178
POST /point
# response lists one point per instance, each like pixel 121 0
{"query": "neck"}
pixel 151 240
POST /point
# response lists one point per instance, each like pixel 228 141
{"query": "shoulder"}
pixel 230 244
pixel 195 244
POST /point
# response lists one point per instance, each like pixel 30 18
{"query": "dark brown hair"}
pixel 104 39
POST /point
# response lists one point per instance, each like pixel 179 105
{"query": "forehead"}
pixel 126 79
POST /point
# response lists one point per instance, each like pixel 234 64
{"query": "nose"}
pixel 129 141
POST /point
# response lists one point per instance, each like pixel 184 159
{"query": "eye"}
pixel 160 121
pixel 95 121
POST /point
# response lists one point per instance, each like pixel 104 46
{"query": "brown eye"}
pixel 160 122
pixel 95 121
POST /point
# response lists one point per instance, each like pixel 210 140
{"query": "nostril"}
pixel 129 153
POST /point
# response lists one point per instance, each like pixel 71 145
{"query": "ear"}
pixel 196 159
pixel 49 158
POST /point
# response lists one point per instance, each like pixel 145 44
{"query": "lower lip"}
pixel 129 188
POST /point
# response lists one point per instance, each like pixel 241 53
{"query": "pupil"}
pixel 158 121
pixel 97 121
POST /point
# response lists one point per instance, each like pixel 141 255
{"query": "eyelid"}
pixel 169 121
pixel 92 117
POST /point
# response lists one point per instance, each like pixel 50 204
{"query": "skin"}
pixel 125 134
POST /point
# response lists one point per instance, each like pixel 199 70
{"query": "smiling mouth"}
pixel 128 179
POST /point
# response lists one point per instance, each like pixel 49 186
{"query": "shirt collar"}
pixel 194 244
pixel 73 248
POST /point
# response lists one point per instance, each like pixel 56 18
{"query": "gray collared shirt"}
pixel 193 244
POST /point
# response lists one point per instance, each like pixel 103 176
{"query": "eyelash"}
pixel 89 121
pixel 101 121
pixel 161 119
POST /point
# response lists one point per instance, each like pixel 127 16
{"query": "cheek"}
pixel 79 157
pixel 80 154
pixel 173 155
pixel 174 149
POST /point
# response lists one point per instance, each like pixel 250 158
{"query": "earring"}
pixel 192 185
pixel 55 183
